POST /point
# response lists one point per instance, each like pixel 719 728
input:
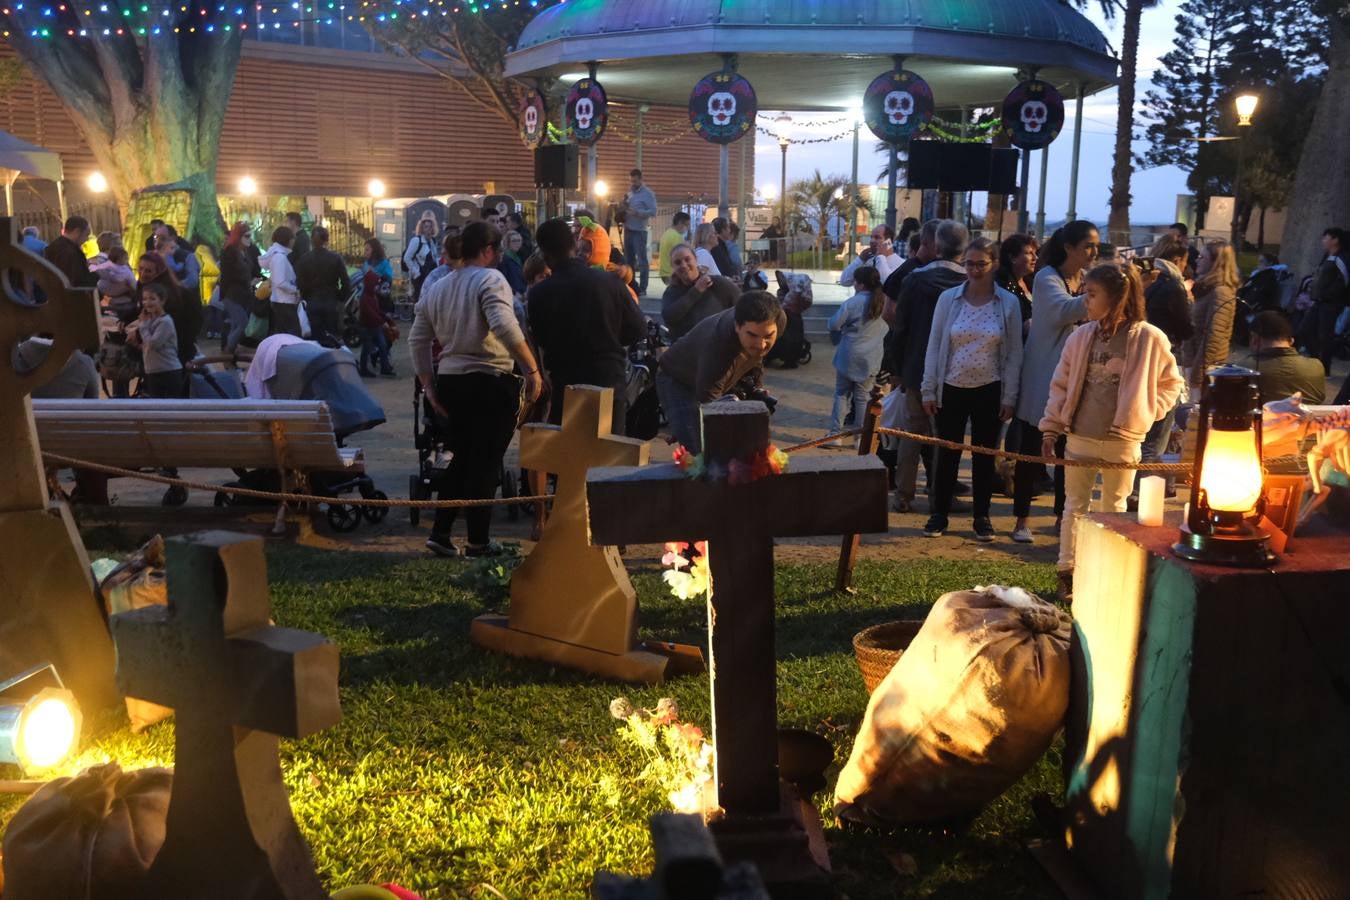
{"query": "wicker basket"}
pixel 879 647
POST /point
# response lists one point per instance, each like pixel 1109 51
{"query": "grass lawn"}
pixel 461 774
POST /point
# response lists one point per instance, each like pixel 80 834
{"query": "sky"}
pixel 1154 191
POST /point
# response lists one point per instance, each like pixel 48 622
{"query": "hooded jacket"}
pixel 278 265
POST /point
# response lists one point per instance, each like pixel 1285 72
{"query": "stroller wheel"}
pixel 376 514
pixel 509 485
pixel 342 517
pixel 806 353
pixel 222 499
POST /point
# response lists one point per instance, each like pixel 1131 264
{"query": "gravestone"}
pixel 572 603
pixel 814 496
pixel 48 609
pixel 235 683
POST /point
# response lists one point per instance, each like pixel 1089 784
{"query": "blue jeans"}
pixel 236 314
pixel 374 345
pixel 682 412
pixel 846 389
pixel 636 256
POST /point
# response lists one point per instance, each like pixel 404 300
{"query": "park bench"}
pixel 294 437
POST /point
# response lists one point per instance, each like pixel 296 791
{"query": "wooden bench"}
pixel 294 437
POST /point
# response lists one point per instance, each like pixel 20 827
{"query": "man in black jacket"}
pixel 66 255
pixel 582 320
pixel 909 346
pixel 1331 290
pixel 709 362
pixel 300 247
pixel 321 277
pixel 1167 301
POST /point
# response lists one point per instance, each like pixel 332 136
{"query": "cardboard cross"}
pixel 48 610
pixel 572 603
pixel 813 496
pixel 235 683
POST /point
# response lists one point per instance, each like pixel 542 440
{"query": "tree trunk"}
pixel 1261 231
pixel 1118 226
pixel 1322 185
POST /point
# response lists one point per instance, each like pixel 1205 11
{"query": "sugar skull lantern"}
pixel 587 111
pixel 898 104
pixel 1033 114
pixel 722 107
pixel 532 119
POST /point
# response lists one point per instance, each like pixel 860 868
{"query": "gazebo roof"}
pixel 814 54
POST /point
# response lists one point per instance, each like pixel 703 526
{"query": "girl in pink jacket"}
pixel 1115 378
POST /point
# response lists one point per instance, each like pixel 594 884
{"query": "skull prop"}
pixel 1034 116
pixel 531 119
pixel 584 113
pixel 899 107
pixel 722 108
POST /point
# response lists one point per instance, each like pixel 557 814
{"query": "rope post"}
pixel 867 445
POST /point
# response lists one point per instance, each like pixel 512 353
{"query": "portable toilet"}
pixel 390 224
pixel 461 210
pixel 503 203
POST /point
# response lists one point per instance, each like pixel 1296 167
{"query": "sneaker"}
pixel 902 504
pixel 491 548
pixel 936 526
pixel 1023 535
pixel 984 530
pixel 442 546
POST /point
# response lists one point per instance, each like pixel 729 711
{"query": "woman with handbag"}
pixel 238 270
pixel 859 333
pixel 377 278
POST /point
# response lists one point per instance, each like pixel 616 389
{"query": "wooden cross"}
pixel 235 683
pixel 572 603
pixel 826 495
pixel 48 611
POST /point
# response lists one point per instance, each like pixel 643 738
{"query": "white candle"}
pixel 1151 490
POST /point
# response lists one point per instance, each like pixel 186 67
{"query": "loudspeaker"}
pixel 965 167
pixel 925 164
pixel 555 166
pixel 1003 174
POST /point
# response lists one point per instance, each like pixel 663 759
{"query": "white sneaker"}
pixel 1023 535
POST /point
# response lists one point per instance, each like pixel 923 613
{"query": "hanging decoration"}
pixel 587 111
pixel 533 119
pixel 897 105
pixel 722 107
pixel 1033 114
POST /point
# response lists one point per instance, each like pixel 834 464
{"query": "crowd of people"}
pixel 1061 350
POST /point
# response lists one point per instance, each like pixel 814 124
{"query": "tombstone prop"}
pixel 814 496
pixel 48 610
pixel 235 683
pixel 572 603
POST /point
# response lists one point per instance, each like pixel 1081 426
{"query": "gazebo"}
pixel 818 55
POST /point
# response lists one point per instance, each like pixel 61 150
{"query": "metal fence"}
pixel 102 216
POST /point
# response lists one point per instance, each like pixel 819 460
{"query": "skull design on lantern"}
pixel 584 113
pixel 722 108
pixel 899 107
pixel 531 119
pixel 1034 116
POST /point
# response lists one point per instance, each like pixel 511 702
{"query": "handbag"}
pixel 390 332
pixel 263 291
pixel 305 329
pixel 257 327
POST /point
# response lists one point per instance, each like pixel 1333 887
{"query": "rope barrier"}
pixel 1027 458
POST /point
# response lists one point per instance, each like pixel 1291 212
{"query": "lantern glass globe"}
pixel 1246 107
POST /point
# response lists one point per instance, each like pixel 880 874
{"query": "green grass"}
pixel 454 770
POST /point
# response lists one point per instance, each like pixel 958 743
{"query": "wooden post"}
pixel 867 446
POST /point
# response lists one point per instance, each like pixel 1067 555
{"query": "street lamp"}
pixel 96 182
pixel 601 189
pixel 247 186
pixel 781 125
pixel 1246 108
pixel 375 188
pixel 857 113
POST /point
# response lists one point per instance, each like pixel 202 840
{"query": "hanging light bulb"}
pixel 247 186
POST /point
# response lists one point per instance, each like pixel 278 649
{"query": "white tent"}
pixel 18 157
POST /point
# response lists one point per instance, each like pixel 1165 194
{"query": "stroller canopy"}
pixel 308 371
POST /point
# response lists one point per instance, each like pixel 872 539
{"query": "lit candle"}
pixel 1151 489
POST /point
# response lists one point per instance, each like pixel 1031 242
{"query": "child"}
pixel 117 283
pixel 1115 378
pixel 860 332
pixel 155 334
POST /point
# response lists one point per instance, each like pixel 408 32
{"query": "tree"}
pixel 149 99
pixel 820 199
pixel 1182 109
pixel 1321 192
pixel 469 51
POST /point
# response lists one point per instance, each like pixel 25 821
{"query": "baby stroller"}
pixel 433 457
pixel 793 349
pixel 308 371
pixel 644 417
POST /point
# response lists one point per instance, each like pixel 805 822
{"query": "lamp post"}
pixel 1246 107
pixel 781 126
pixel 857 114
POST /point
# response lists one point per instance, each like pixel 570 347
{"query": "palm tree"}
pixel 1118 225
pixel 819 199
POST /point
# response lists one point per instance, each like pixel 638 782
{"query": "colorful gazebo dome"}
pixel 815 54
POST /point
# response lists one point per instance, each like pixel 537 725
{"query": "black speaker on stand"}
pixel 555 166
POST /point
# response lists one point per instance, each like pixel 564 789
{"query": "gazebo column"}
pixel 1077 143
pixel 729 61
pixel 592 161
pixel 740 207
pixel 1040 200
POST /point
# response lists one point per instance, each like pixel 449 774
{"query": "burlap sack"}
pixel 139 581
pixel 968 709
pixel 92 837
